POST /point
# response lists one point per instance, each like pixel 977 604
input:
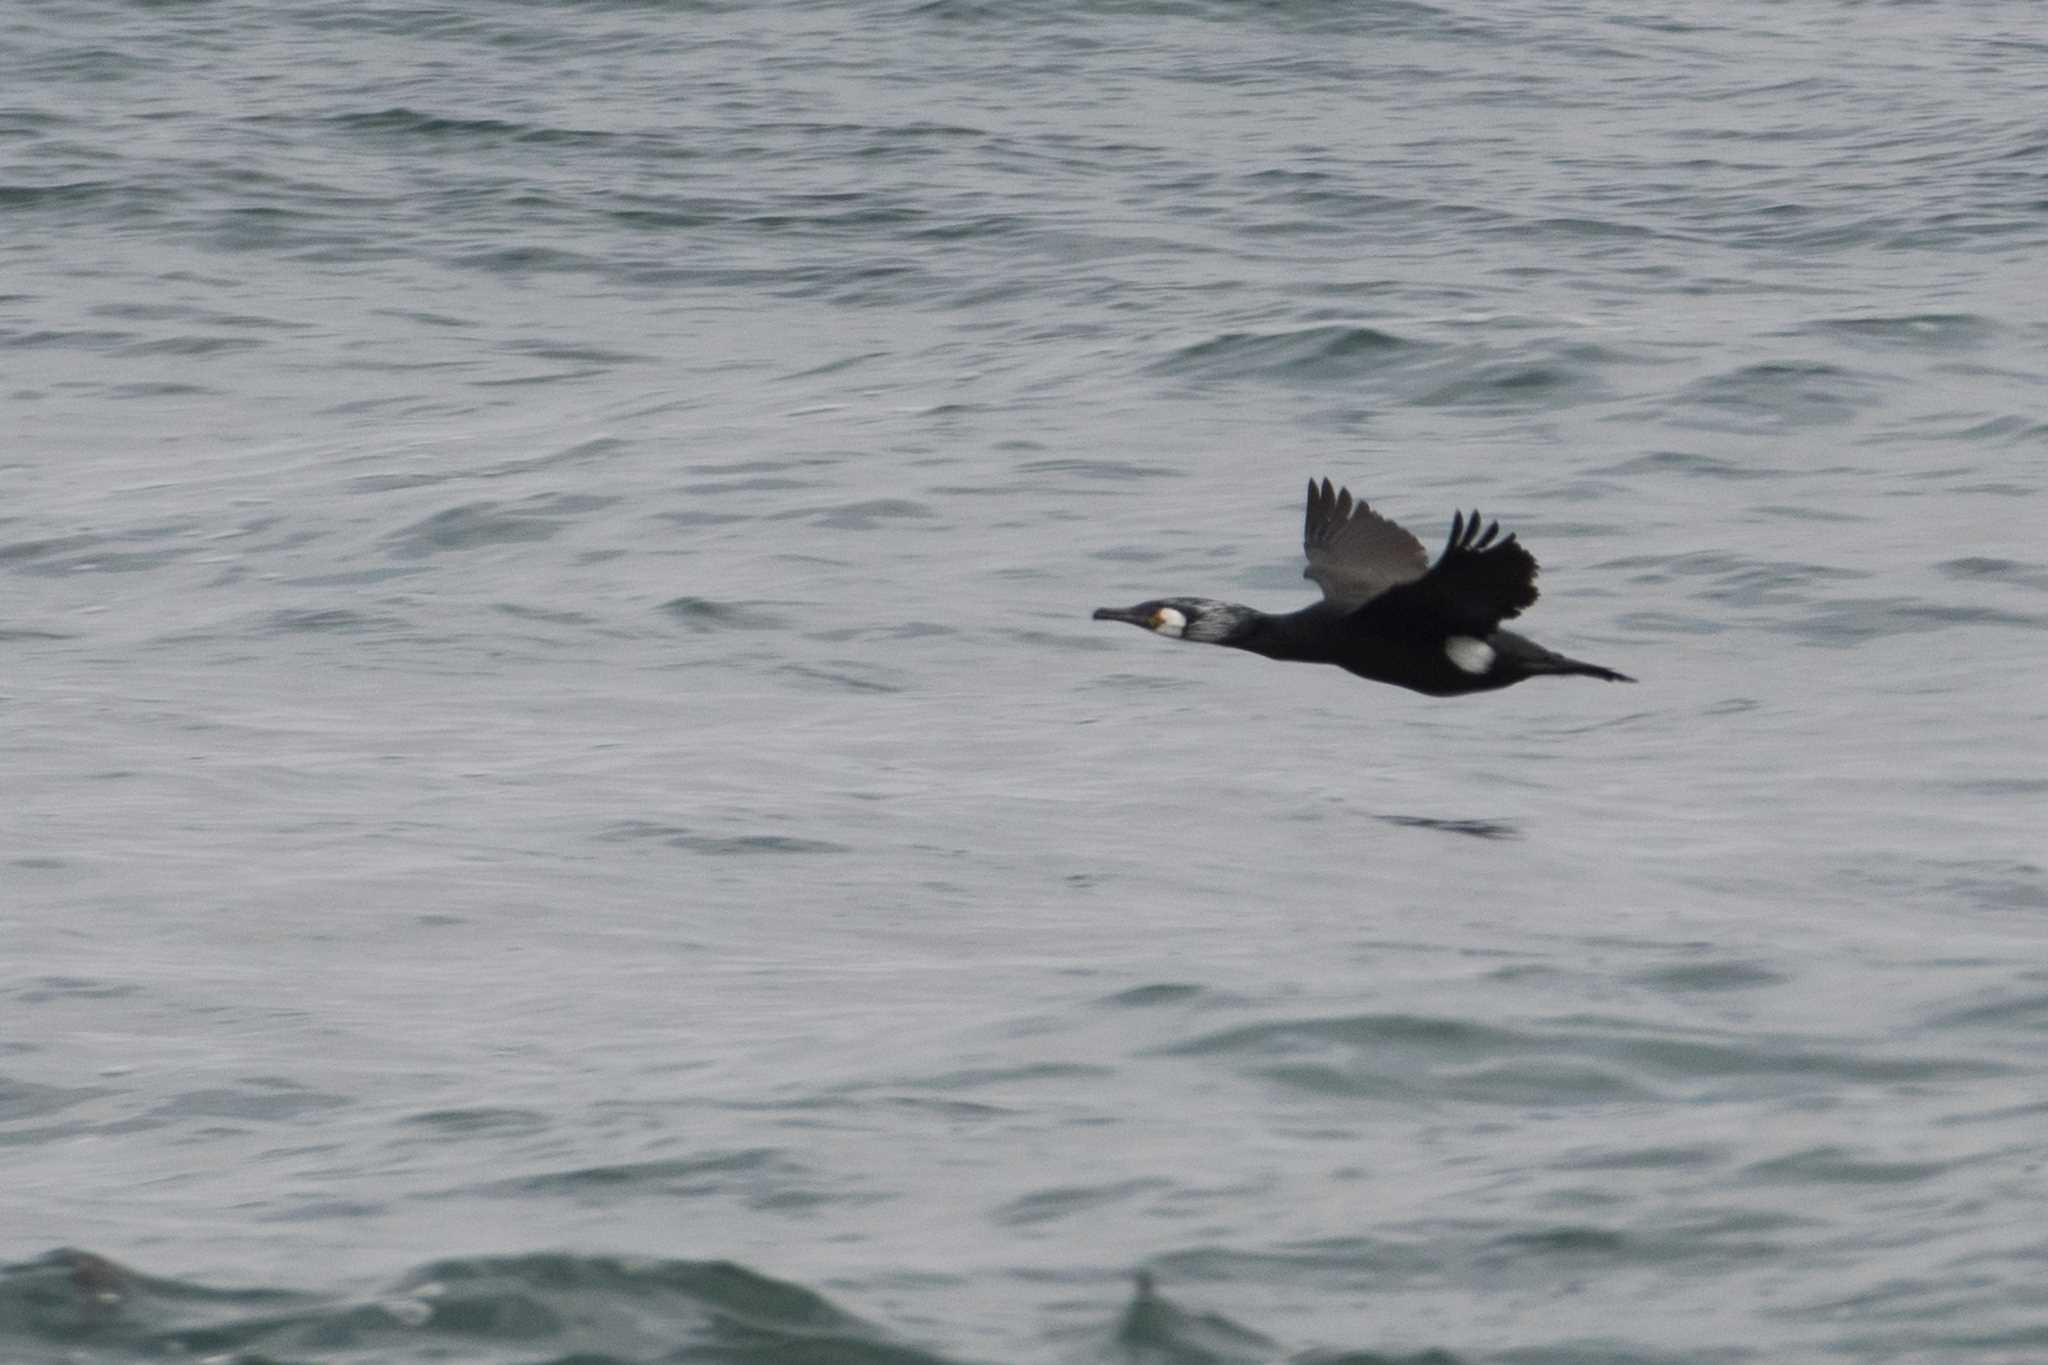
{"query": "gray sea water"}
pixel 563 803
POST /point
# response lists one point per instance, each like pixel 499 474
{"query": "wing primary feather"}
pixel 1353 552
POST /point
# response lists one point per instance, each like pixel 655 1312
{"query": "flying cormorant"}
pixel 1387 613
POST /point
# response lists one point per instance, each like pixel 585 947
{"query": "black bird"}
pixel 1387 613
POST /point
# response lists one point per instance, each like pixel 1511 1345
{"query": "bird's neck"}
pixel 1297 635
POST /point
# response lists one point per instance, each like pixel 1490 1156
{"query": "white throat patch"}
pixel 1170 623
pixel 1468 654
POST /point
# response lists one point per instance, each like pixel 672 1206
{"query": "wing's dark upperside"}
pixel 1354 553
pixel 1475 584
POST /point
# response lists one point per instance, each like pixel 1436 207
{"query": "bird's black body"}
pixel 1416 660
pixel 1387 613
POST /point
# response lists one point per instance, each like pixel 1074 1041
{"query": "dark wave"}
pixel 1911 331
pixel 591 1309
pixel 1778 395
pixel 1470 828
pixel 702 615
pixel 474 526
pixel 1308 353
pixel 718 845
pixel 403 122
pixel 1402 1056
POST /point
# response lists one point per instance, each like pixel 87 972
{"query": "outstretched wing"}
pixel 1354 553
pixel 1475 584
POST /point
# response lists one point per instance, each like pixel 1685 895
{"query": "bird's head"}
pixel 1196 619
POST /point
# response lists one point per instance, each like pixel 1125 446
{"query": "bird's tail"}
pixel 1558 663
pixel 1533 659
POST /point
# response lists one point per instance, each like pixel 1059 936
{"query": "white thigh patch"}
pixel 1473 656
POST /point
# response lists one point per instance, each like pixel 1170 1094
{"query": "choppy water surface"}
pixel 564 803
